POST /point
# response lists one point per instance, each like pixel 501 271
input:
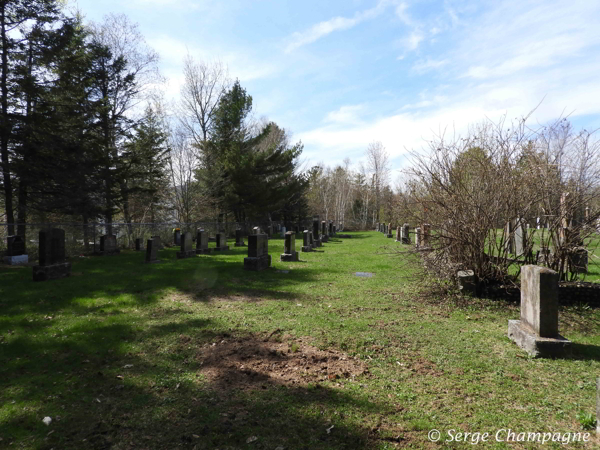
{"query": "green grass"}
pixel 111 354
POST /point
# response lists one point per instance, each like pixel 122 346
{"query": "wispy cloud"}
pixel 326 27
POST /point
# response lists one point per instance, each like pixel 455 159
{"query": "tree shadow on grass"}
pixel 153 385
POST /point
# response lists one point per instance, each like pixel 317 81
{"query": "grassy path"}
pixel 199 353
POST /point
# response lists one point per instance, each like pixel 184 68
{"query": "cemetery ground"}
pixel 199 353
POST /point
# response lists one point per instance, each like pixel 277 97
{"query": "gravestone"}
pixel 334 230
pixel 282 231
pixel 221 241
pixel 537 331
pixel 466 282
pixel 313 244
pixel 316 226
pixel 177 236
pixel 239 239
pixel 269 231
pixel 519 238
pixel 202 242
pixel 417 237
pixel 297 229
pixel 152 247
pixel 15 251
pixel 306 247
pixel 578 260
pixel 425 235
pixel 187 250
pixel 331 229
pixel 389 230
pixel 324 235
pixel 289 252
pixel 256 230
pixel 52 259
pixel 258 253
pixel 398 234
pixel 509 237
pixel 138 245
pixel 108 245
pixel 406 233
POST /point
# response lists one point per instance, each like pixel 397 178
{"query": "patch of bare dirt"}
pixel 257 363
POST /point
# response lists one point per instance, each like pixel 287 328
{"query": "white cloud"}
pixel 326 27
pixel 423 66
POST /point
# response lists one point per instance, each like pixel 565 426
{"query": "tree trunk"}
pixel 5 124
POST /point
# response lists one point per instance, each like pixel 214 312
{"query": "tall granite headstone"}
pixel 52 259
pixel 138 244
pixel 389 230
pixel 311 238
pixel 520 237
pixel 406 233
pixel 398 234
pixel 202 242
pixel 177 236
pixel 324 235
pixel 417 237
pixel 187 249
pixel 258 253
pixel 537 331
pixel 152 247
pixel 306 247
pixel 316 226
pixel 108 245
pixel 221 241
pixel 289 252
pixel 239 239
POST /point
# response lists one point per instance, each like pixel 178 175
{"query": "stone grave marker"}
pixel 269 231
pixel 239 239
pixel 417 237
pixel 331 228
pixel 138 244
pixel 466 282
pixel 324 236
pixel 152 247
pixel 364 274
pixel 108 245
pixel 406 233
pixel 256 230
pixel 519 238
pixel 312 240
pixel 389 230
pixel 398 234
pixel 282 231
pixel 537 331
pixel 177 236
pixel 289 252
pixel 258 253
pixel 202 242
pixel 578 260
pixel 221 241
pixel 187 249
pixel 316 226
pixel 15 251
pixel 52 259
pixel 306 247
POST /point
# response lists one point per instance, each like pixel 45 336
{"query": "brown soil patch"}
pixel 257 363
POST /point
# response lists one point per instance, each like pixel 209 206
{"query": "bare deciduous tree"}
pixel 379 166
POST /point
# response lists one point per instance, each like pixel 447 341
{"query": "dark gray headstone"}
pixel 258 253
pixel 52 256
pixel 289 253
pixel 138 245
pixel 406 233
pixel 221 241
pixel 108 245
pixel 177 237
pixel 239 238
pixel 15 246
pixel 186 250
pixel 202 242
pixel 306 246
pixel 152 246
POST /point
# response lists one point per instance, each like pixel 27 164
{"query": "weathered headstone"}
pixel 108 245
pixel 289 252
pixel 398 234
pixel 578 260
pixel 509 236
pixel 520 237
pixel 152 247
pixel 331 229
pixel 306 247
pixel 187 250
pixel 52 259
pixel 537 331
pixel 406 233
pixel 466 282
pixel 258 253
pixel 282 231
pixel 425 235
pixel 138 244
pixel 239 239
pixel 311 237
pixel 221 241
pixel 324 234
pixel 177 236
pixel 269 231
pixel 256 230
pixel 15 251
pixel 334 230
pixel 202 242
pixel 316 227
pixel 417 237
pixel 389 230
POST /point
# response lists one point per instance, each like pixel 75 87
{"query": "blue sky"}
pixel 341 74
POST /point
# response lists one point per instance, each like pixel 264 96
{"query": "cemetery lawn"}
pixel 199 353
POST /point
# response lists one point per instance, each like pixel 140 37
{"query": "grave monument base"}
pixel 108 253
pixel 203 251
pixel 535 345
pixel 257 263
pixel 324 238
pixel 239 244
pixel 307 248
pixel 289 256
pixel 390 235
pixel 221 249
pixel 16 260
pixel 188 254
pixel 51 272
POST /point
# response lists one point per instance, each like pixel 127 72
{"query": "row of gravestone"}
pixel 53 264
pixel 422 234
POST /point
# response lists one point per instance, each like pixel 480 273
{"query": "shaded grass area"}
pixel 114 355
